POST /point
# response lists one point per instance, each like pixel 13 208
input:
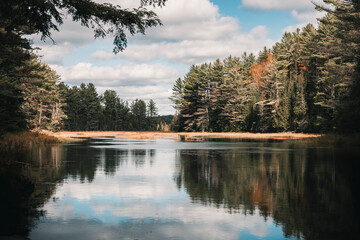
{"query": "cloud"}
pixel 279 4
pixel 193 32
pixel 304 18
pixel 138 201
pixel 194 51
pixel 159 93
pixel 67 40
pixel 127 74
pixel 54 54
pixel 307 16
pixel 130 81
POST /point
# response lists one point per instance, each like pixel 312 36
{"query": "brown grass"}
pixel 187 136
pixel 24 140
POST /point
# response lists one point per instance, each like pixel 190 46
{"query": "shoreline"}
pixel 329 139
pixel 25 140
pixel 66 136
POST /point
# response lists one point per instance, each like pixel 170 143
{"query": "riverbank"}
pixel 186 136
pixel 30 139
pixel 24 140
pixel 318 139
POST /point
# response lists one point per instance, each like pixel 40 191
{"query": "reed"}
pixel 25 140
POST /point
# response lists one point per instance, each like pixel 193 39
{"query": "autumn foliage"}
pixel 259 70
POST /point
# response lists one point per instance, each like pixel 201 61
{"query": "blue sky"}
pixel 193 32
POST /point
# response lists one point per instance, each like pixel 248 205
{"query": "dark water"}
pixel 164 189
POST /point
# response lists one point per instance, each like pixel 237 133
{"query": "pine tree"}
pixel 192 98
pixel 151 113
pixel 138 111
pixel 110 99
pixel 237 93
pixel 342 23
pixel 43 103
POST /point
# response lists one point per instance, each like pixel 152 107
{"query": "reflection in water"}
pixel 106 188
pixel 138 156
pixel 312 193
pixel 25 186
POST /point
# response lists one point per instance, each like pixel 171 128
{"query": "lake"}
pixel 108 188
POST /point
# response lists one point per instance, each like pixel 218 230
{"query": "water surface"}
pixel 108 188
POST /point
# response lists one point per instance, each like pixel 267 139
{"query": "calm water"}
pixel 164 189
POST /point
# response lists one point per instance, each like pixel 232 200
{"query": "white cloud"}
pixel 159 93
pixel 129 80
pixel 196 51
pixel 279 4
pixel 70 32
pixel 54 54
pixel 67 40
pixel 304 18
pixel 127 74
pixel 307 16
pixel 193 32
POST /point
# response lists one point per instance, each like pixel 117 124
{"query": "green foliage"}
pixel 138 110
pixel 43 16
pixel 19 75
pixel 82 107
pixel 43 103
pixel 151 114
pixel 87 111
pixel 308 82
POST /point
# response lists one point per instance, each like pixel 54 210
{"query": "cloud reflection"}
pixel 140 203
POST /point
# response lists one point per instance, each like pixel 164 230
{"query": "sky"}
pixel 193 32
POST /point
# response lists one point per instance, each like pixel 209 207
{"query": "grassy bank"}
pixel 317 139
pixel 186 136
pixel 25 140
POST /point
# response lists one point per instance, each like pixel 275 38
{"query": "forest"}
pixel 49 104
pixel 307 82
pixel 31 95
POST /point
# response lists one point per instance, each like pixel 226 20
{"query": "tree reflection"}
pixel 311 193
pixel 113 158
pixel 138 156
pixel 26 185
pixel 29 179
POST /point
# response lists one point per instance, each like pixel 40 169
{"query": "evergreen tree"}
pixel 151 113
pixel 82 107
pixel 192 97
pixel 138 111
pixel 91 107
pixel 43 103
pixel 340 87
pixel 237 93
pixel 110 114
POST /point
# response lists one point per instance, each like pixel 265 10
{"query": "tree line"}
pixel 45 103
pixel 21 74
pixel 307 82
pixel 85 110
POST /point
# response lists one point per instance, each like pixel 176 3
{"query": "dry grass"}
pixel 277 136
pixel 24 140
pixel 187 136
